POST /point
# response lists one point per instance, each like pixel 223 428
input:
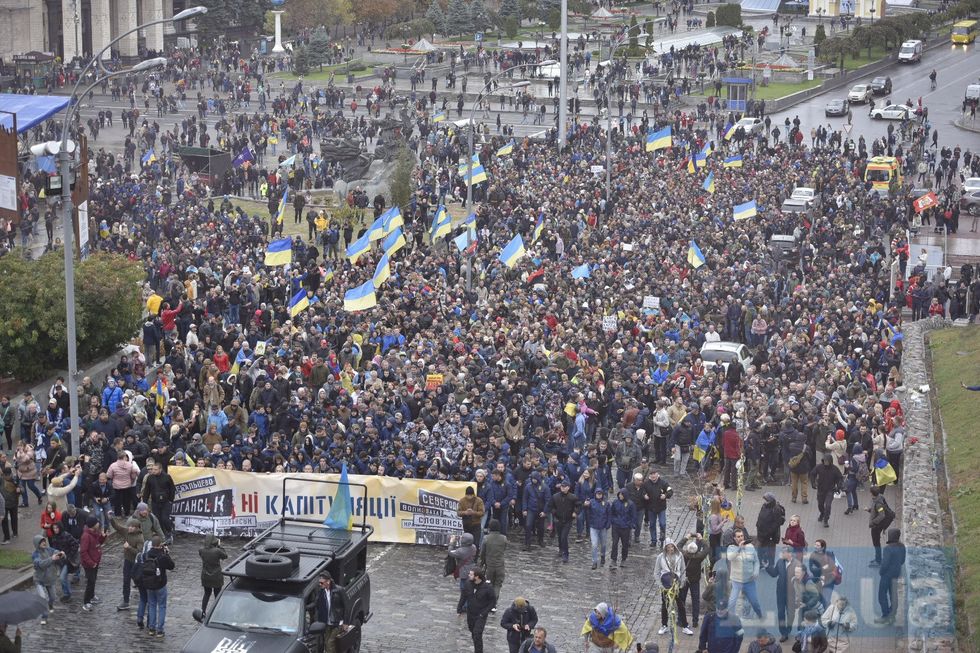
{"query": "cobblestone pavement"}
pixel 414 605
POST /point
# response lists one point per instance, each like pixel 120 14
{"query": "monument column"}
pixel 101 25
pixel 71 27
pixel 126 18
pixel 153 10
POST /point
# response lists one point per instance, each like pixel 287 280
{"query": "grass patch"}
pixel 317 75
pixel 956 358
pixel 14 559
pixel 781 89
pixel 877 54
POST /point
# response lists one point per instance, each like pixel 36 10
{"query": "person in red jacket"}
pixel 51 515
pixel 731 446
pixel 90 550
pixel 169 317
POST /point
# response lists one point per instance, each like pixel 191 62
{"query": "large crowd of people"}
pixel 571 400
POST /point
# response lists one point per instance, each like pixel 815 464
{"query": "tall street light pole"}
pixel 64 153
pixel 469 155
pixel 563 72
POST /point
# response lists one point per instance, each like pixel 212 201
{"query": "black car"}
pixel 881 85
pixel 836 107
pixel 270 605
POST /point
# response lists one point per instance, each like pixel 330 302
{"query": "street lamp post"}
pixel 64 152
pixel 469 155
pixel 563 72
pixel 612 60
pixel 872 12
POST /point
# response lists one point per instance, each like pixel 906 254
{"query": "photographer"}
pixel 47 562
pixel 156 563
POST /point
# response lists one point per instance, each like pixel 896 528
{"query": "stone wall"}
pixel 929 568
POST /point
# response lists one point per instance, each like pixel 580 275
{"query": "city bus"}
pixel 965 32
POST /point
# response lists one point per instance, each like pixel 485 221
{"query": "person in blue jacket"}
pixel 498 494
pixel 622 518
pixel 599 523
pixel 536 500
pixel 585 491
pixel 721 632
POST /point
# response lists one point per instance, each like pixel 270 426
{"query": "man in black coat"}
pixel 827 479
pixel 479 601
pixel 892 560
pixel 330 609
pixel 767 526
pixel 519 621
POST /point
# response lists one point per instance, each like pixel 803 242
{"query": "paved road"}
pixel 414 604
pixel 956 67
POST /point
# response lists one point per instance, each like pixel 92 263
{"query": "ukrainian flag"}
pixel 734 161
pixel 506 149
pixel 513 251
pixel 884 473
pixel 745 211
pixel 470 221
pixel 328 275
pixel 376 230
pixel 601 631
pixel 694 255
pixel 281 211
pixel 439 117
pixel 730 131
pixel 690 165
pixel 149 157
pixel 300 302
pixel 538 228
pixel 382 272
pixel 660 140
pixel 709 183
pixel 465 240
pixel 394 242
pixel 391 220
pixel 701 158
pixel 478 175
pixel 441 224
pixel 360 298
pixel 358 248
pixel 279 252
pixel 340 515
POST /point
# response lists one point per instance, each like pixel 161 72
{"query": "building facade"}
pixel 73 28
pixel 862 8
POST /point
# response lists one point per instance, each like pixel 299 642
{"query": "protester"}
pixel 211 577
pixel 519 620
pixel 91 554
pixel 479 600
pixel 892 561
pixel 132 537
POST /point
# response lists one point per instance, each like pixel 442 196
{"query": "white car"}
pixel 803 194
pixel 971 184
pixel 752 126
pixel 860 93
pixel 722 353
pixel 892 112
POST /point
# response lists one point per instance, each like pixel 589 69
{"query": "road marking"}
pixel 373 561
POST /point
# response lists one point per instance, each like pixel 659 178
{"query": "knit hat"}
pixel 142 506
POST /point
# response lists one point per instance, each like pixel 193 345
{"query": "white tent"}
pixel 602 12
pixel 423 45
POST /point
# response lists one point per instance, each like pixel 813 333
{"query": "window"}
pixel 878 175
pixel 258 611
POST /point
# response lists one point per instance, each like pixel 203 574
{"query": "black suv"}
pixel 881 85
pixel 270 605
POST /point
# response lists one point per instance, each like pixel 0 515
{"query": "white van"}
pixel 723 353
pixel 910 52
pixel 972 92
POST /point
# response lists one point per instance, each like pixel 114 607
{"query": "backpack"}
pixel 838 572
pixel 860 471
pixel 152 574
pixel 137 572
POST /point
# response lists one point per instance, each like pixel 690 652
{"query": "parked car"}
pixel 859 93
pixel 881 85
pixel 806 195
pixel 892 112
pixel 837 107
pixel 970 202
pixel 971 184
pixel 722 353
pixel 752 126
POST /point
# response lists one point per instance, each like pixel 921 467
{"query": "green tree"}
pixel 401 177
pixel 437 15
pixel 458 17
pixel 511 9
pixel 226 15
pixel 511 27
pixel 479 16
pixel 318 49
pixel 633 31
pixel 546 10
pixel 819 36
pixel 710 20
pixel 301 60
pixel 729 14
pixel 33 331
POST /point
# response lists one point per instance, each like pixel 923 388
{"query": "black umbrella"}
pixel 18 607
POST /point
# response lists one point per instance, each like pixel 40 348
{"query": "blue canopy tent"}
pixel 30 109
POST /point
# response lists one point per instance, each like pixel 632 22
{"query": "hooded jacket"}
pixel 465 555
pixel 537 496
pixel 771 518
pixel 743 563
pixel 892 556
pixel 672 562
pixel 211 556
pixel 622 512
pixel 599 512
pixel 45 567
pixel 91 548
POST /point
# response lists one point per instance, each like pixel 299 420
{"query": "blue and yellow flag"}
pixel 382 271
pixel 376 230
pixel 394 242
pixel 734 161
pixel 300 302
pixel 582 272
pixel 439 117
pixel 441 223
pixel 730 131
pixel 609 628
pixel 506 149
pixel 694 255
pixel 391 220
pixel 659 140
pixel 701 158
pixel 279 252
pixel 470 221
pixel 328 275
pixel 884 473
pixel 513 251
pixel 281 211
pixel 340 516
pixel 358 248
pixel 149 157
pixel 746 210
pixel 478 174
pixel 360 298
pixel 538 228
pixel 466 241
pixel 690 165
pixel 709 183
